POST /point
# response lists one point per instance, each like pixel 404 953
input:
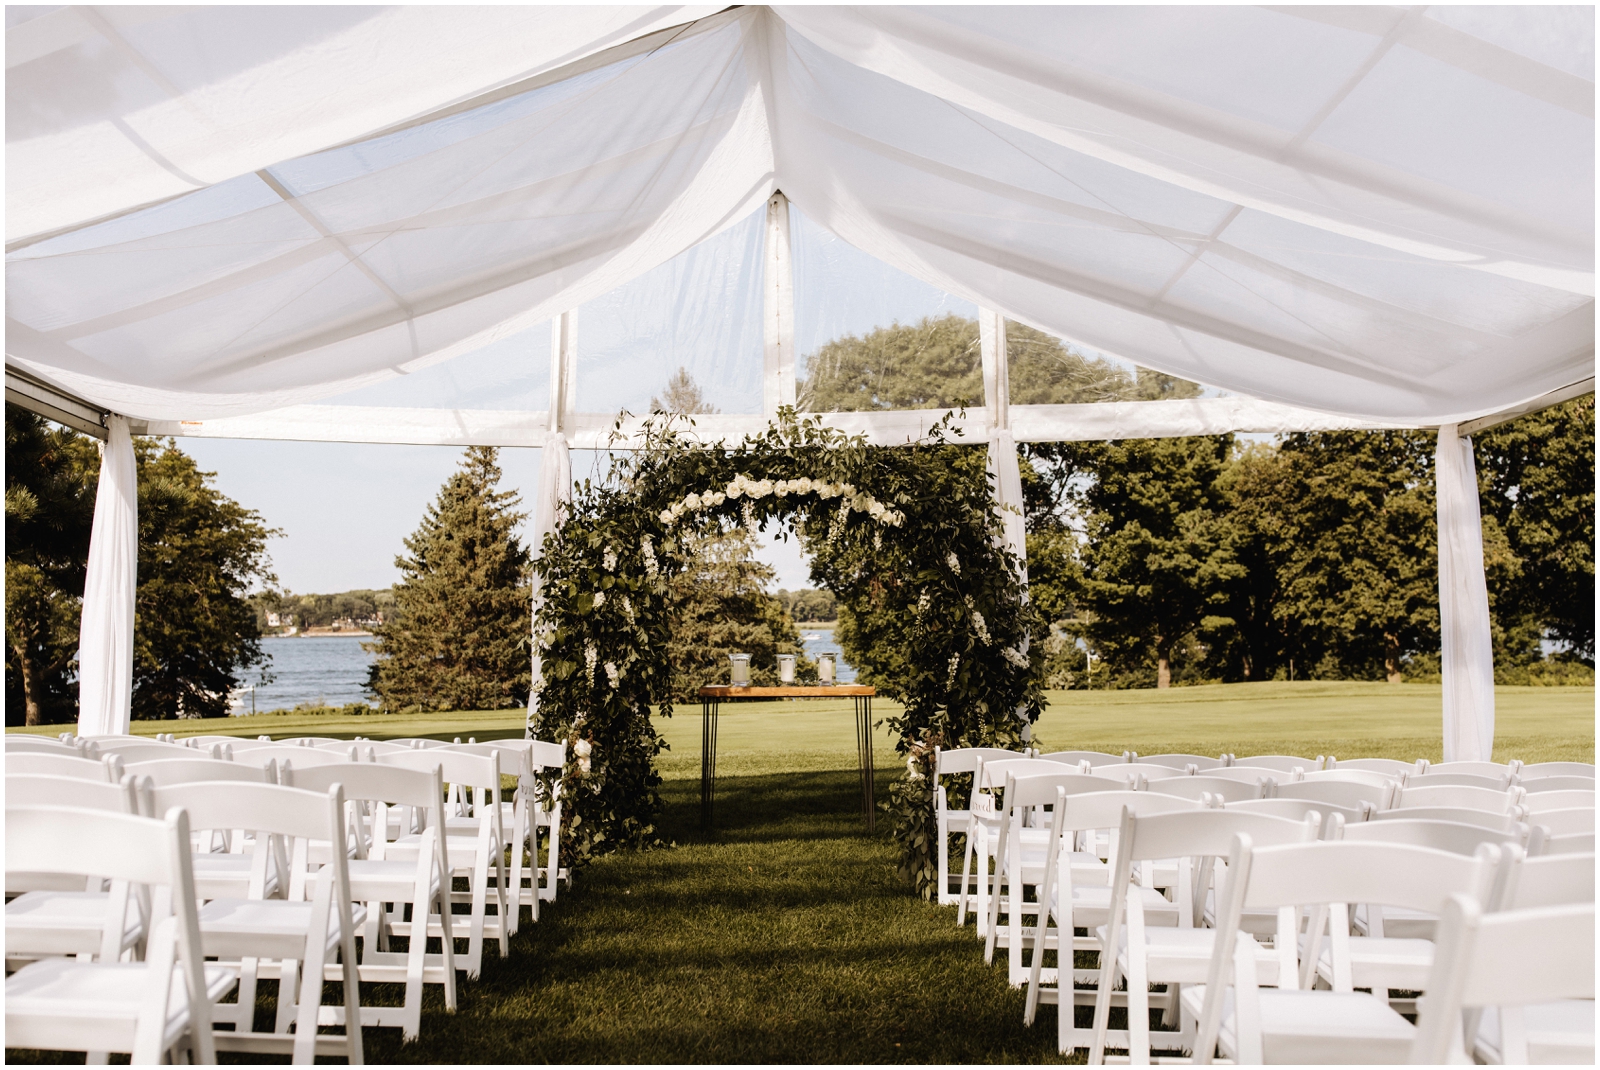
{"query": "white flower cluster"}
pixel 953 562
pixel 980 626
pixel 755 489
pixel 612 674
pixel 1015 657
pixel 912 772
pixel 599 599
pixel 591 657
pixel 649 551
pixel 583 748
pixel 609 562
pixel 955 663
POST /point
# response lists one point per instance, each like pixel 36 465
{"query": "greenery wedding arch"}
pixel 908 538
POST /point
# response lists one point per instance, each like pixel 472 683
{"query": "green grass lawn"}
pixel 784 935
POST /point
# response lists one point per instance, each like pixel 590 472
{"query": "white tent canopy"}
pixel 219 217
pixel 1373 212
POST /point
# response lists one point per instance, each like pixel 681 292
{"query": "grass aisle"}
pixel 783 937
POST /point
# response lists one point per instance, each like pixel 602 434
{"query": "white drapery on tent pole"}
pixel 105 639
pixel 1003 467
pixel 549 509
pixel 1467 660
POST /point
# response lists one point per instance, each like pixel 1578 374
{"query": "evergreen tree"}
pixel 459 638
pixel 682 395
pixel 720 606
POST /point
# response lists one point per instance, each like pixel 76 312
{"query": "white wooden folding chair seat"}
pixel 303 939
pixel 1133 949
pixel 1070 905
pixel 1524 977
pixel 1570 799
pixel 474 847
pixel 145 1009
pixel 1283 763
pixel 382 882
pixel 951 820
pixel 1251 1024
pixel 1539 770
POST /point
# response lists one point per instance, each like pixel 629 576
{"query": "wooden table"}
pixel 712 697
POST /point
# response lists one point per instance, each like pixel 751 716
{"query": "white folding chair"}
pixel 1488 769
pixel 1545 801
pixel 1550 880
pixel 1173 957
pixel 145 1009
pixel 1183 761
pixel 60 913
pixel 1093 757
pixel 474 843
pixel 1460 815
pixel 1075 896
pixel 310 934
pixel 1530 971
pixel 1223 789
pixel 951 821
pixel 1390 945
pixel 190 770
pixel 1571 843
pixel 19 744
pixel 549 761
pixel 519 832
pixel 1296 809
pixel 1350 796
pixel 1370 777
pixel 1283 763
pixel 107 770
pixel 1540 785
pixel 1291 1024
pixel 1390 766
pixel 1149 772
pixel 381 882
pixel 983 826
pixel 1253 775
pixel 1540 770
pixel 132 750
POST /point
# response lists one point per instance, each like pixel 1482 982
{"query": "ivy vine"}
pixel 907 538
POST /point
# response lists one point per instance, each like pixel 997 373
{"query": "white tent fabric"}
pixel 114 107
pixel 549 506
pixel 105 639
pixel 1467 660
pixel 1381 214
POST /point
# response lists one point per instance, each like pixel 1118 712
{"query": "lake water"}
pixel 331 670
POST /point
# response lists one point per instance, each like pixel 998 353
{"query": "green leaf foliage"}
pixel 929 606
pixel 458 636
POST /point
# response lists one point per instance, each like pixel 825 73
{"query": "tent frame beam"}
pixel 1538 404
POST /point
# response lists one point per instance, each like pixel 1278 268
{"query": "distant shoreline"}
pixel 323 633
pixel 816 623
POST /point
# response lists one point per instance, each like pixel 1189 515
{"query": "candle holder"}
pixel 786 668
pixel 825 669
pixel 741 669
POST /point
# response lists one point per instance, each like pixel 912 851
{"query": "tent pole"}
pixel 778 384
pixel 105 638
pixel 1003 468
pixel 555 476
pixel 1466 646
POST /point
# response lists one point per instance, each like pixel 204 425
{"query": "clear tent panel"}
pixel 698 313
